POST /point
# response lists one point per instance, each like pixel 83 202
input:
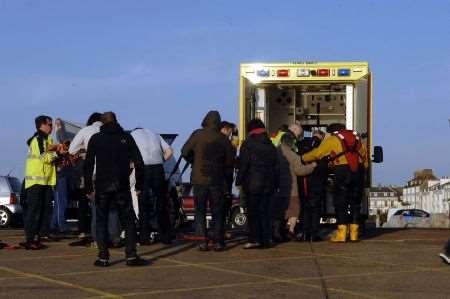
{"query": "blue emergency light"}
pixel 344 72
pixel 263 73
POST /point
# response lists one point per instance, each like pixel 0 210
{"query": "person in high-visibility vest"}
pixel 40 180
pixel 343 150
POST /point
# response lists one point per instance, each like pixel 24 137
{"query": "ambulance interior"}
pixel 314 106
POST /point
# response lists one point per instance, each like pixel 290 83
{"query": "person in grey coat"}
pixel 291 166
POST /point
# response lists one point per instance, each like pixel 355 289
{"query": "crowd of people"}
pixel 282 182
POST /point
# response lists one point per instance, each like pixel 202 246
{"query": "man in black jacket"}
pixel 112 151
pixel 211 155
pixel 259 175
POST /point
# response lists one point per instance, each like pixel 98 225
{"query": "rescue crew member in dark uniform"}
pixel 312 190
pixel 345 162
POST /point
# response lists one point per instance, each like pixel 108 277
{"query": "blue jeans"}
pixel 58 222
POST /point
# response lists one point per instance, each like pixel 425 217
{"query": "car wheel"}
pixel 5 217
pixel 238 219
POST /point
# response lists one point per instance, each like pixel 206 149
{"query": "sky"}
pixel 164 64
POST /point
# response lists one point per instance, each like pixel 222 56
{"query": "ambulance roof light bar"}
pixel 304 72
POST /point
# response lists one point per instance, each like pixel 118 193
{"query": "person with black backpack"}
pixel 342 147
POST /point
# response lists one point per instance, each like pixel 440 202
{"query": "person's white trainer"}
pixel 445 258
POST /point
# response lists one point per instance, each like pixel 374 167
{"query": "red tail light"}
pixel 12 199
pixel 324 73
pixel 283 73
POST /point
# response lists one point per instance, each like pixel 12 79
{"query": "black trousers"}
pixel 84 212
pixel 278 207
pixel 38 211
pixel 259 218
pixel 155 187
pixel 312 207
pixel 314 196
pixel 348 195
pixel 122 202
pixel 212 195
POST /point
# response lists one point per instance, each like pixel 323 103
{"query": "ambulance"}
pixel 312 94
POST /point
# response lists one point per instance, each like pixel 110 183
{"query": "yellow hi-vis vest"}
pixel 277 140
pixel 40 168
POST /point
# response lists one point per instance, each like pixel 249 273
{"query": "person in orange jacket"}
pixel 343 149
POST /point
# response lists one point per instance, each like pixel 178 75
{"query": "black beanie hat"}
pixel 255 123
pixel 41 119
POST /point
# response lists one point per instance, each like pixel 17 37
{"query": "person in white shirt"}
pixel 81 139
pixel 154 151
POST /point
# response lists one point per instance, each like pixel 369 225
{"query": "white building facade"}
pixel 382 199
pixel 429 194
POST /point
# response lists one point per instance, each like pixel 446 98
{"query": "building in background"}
pixel 427 192
pixel 383 198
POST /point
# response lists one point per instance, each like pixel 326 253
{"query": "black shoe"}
pixel 203 247
pixel 280 238
pixel 27 245
pixel 85 242
pixel 219 247
pixel 267 245
pixel 34 245
pixel 102 263
pixel 137 262
pixel 166 241
pixel 315 239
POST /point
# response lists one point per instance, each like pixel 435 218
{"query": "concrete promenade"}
pixel 387 264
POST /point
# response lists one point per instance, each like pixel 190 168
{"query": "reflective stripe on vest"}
pixel 34 157
pixel 37 178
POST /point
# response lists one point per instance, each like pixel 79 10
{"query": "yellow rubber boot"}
pixel 354 232
pixel 340 235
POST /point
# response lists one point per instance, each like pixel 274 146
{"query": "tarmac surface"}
pixel 387 264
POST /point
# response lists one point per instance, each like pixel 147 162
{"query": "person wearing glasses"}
pixel 40 180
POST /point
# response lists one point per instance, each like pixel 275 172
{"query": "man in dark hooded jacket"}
pixel 259 176
pixel 112 151
pixel 211 156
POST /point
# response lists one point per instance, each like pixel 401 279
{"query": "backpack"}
pixel 351 145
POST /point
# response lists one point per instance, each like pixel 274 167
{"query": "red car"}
pixel 236 217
